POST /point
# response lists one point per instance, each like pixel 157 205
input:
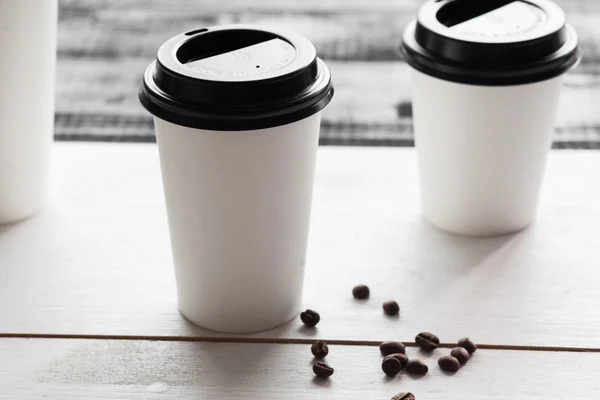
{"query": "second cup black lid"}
pixel 236 77
pixel 491 42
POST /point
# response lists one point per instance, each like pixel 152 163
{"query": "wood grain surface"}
pixel 104 47
pixel 97 260
pixel 104 369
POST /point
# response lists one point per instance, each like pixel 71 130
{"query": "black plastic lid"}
pixel 236 77
pixel 491 42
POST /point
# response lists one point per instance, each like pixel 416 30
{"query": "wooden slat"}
pixel 179 7
pixel 100 369
pixel 370 35
pixel 372 101
pixel 191 6
pixel 97 261
pixel 340 36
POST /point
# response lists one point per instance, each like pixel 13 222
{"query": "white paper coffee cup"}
pixel 237 149
pixel 486 84
pixel 28 48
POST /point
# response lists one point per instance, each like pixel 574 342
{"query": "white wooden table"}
pixel 88 303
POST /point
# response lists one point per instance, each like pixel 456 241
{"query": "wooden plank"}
pixel 193 6
pixel 97 261
pixel 178 7
pixel 102 369
pixel 341 36
pixel 96 99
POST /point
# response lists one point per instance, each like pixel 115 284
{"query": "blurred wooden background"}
pixel 105 45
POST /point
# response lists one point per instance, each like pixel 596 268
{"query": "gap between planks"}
pixel 285 341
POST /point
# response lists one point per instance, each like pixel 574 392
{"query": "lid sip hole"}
pixel 219 42
pixel 460 11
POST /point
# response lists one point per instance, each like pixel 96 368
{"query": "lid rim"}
pixel 532 71
pixel 478 79
pixel 229 125
pixel 233 119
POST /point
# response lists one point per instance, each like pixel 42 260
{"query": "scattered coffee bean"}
pixel 320 349
pixel 460 354
pixel 400 357
pixel 468 345
pixel 404 396
pixel 361 292
pixel 449 364
pixel 427 341
pixel 388 348
pixel 310 318
pixel 322 370
pixel 391 366
pixel 416 367
pixel 391 308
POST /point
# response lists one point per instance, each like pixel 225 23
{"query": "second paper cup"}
pixel 486 82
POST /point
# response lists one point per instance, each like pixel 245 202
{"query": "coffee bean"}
pixel 310 318
pixel 427 341
pixel 391 307
pixel 388 348
pixel 449 364
pixel 468 345
pixel 416 367
pixel 460 354
pixel 361 292
pixel 320 349
pixel 322 370
pixel 400 357
pixel 391 366
pixel 404 396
